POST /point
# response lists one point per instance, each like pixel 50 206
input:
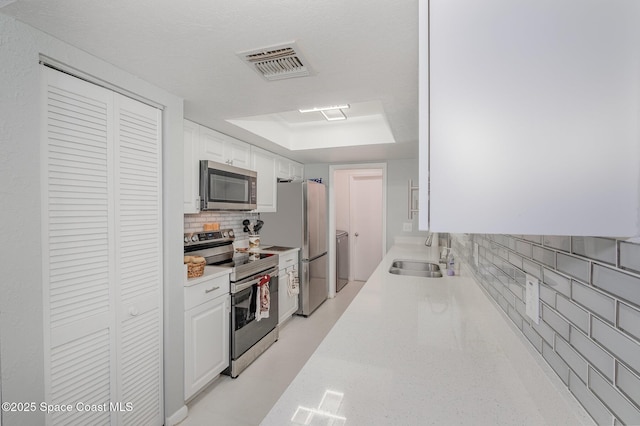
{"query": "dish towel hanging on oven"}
pixel 293 286
pixel 264 298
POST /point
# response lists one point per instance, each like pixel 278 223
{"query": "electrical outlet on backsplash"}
pixel 227 220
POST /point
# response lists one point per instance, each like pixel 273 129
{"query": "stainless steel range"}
pixel 248 337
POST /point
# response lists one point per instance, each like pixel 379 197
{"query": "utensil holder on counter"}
pixel 254 241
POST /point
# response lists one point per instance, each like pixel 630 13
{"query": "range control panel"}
pixel 194 238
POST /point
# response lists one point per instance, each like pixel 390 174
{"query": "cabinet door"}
pixel 296 170
pixel 212 145
pixel 138 262
pixel 238 153
pixel 206 343
pixel 283 168
pixel 191 167
pixel 533 126
pixel 287 305
pixel 264 163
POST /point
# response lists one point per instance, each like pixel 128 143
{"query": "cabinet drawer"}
pixel 206 290
pixel 288 259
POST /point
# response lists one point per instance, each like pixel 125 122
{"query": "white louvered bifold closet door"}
pixel 138 256
pixel 102 290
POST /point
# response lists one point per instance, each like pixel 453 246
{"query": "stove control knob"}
pixel 230 234
pixel 194 238
pixel 224 234
pixel 186 239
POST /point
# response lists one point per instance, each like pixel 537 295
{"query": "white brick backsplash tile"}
pixel 546 332
pixel 617 403
pixel 625 349
pixel 630 256
pixel 524 248
pixel 596 302
pixel 548 295
pixel 572 358
pixel 533 238
pixel 557 242
pixel 515 317
pixel 515 260
pixel 533 337
pixel 557 363
pixel 555 321
pixel 617 283
pixel 557 282
pixel 573 266
pixel 589 401
pixel 628 383
pixel 544 256
pixel 602 249
pixel 629 320
pixel 590 312
pixel 593 353
pixel 532 268
pixel 577 316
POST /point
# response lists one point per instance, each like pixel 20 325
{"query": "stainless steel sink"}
pixel 415 268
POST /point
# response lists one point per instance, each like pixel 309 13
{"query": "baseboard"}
pixel 177 417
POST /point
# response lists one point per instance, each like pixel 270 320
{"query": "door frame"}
pixel 332 213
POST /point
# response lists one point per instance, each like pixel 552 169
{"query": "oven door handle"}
pixel 253 280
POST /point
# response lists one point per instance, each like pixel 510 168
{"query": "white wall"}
pixel 398 174
pixel 341 187
pixel 21 319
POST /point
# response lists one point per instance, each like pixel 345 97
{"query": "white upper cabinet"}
pixel 191 167
pixel 264 163
pixel 288 169
pixel 534 114
pixel 219 147
pixel 202 143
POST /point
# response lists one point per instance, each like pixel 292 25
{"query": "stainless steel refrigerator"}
pixel 301 221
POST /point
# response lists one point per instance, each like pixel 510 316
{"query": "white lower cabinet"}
pixel 206 323
pixel 287 305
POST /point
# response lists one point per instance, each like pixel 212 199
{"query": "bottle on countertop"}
pixel 451 266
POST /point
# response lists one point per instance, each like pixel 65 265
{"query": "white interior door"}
pixel 366 225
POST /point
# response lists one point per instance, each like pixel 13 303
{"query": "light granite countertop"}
pixel 418 351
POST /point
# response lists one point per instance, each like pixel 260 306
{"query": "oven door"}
pixel 224 187
pixel 245 330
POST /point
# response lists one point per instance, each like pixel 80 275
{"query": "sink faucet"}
pixel 429 239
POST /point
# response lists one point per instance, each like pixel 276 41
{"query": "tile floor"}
pixel 246 400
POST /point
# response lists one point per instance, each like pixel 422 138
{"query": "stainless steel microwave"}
pixel 225 187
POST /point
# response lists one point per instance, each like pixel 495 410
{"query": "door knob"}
pixel 356 234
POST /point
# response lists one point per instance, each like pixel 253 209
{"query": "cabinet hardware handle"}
pixel 412 200
pixel 289 260
pixel 209 290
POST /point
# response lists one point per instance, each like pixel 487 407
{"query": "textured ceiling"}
pixel 360 50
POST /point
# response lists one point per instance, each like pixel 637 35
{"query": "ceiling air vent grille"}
pixel 277 62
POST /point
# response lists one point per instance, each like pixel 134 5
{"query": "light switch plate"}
pixel 533 298
pixel 407 227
